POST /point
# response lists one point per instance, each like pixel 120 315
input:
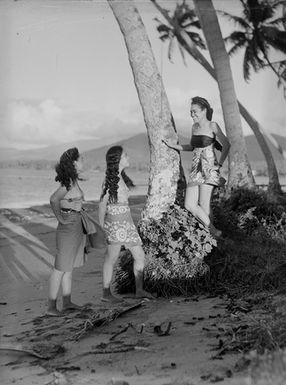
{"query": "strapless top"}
pixel 201 141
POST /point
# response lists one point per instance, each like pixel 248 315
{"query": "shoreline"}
pixel 32 205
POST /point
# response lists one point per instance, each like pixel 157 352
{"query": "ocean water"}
pixel 20 188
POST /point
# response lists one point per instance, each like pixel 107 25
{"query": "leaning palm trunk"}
pixel 274 187
pixel 165 163
pixel 259 132
pixel 239 168
pixel 284 15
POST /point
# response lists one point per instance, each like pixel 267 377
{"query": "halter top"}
pixel 73 199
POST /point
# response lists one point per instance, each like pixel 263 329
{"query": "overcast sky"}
pixel 65 75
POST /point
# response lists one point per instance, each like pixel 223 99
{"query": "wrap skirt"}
pixel 70 243
pixel 119 227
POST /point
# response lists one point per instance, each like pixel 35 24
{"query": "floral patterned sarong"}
pixel 119 226
pixel 205 169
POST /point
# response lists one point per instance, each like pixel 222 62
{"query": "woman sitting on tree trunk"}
pixel 205 172
pixel 116 220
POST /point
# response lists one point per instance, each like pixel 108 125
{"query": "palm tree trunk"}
pixel 238 166
pixel 284 14
pixel 165 163
pixel 274 187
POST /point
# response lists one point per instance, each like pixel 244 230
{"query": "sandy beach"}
pixel 129 348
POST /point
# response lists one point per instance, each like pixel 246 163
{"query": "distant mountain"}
pixel 52 153
pixel 137 148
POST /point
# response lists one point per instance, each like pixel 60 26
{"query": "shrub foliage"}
pixel 175 247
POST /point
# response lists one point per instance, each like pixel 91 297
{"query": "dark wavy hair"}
pixel 204 104
pixel 65 169
pixel 112 177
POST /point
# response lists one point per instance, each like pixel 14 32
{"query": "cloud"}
pixel 34 123
pixel 29 124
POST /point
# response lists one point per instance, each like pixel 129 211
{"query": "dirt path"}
pixel 128 348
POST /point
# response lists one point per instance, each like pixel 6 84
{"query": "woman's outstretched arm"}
pixel 179 147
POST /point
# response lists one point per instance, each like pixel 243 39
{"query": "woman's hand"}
pixel 172 145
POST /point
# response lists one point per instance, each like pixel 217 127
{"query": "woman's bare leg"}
pixel 54 287
pixel 111 257
pixel 138 267
pixel 66 290
pixel 192 199
pixel 192 204
pixel 205 202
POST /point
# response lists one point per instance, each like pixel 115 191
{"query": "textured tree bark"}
pixel 238 166
pixel 165 170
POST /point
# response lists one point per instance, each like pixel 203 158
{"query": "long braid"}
pixel 112 177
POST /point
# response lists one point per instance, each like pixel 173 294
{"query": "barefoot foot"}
pixel 53 313
pixel 143 294
pixel 111 299
pixel 72 306
pixel 214 231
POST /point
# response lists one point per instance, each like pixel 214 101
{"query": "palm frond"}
pixel 258 11
pixel 195 24
pixel 236 47
pixel 267 12
pixel 251 59
pixel 275 38
pixel 163 28
pixel 259 45
pixel 196 38
pixel 171 49
pixel 277 3
pixel 187 16
pixel 256 48
pixel 181 49
pixel 165 32
pixel 246 65
pixel 237 19
pixel 164 37
pixel 278 21
pixel 238 39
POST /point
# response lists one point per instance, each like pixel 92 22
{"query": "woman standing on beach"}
pixel 116 220
pixel 66 203
pixel 205 170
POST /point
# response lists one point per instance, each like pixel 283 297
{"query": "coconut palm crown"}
pixel 185 18
pixel 259 31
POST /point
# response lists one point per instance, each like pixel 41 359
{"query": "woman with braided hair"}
pixel 205 170
pixel 116 220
